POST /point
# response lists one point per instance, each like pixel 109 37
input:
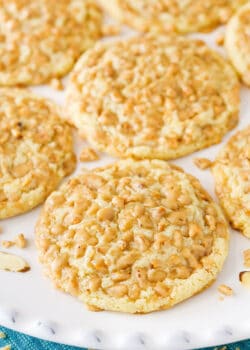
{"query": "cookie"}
pixel 36 150
pixel 40 40
pixel 231 171
pixel 134 236
pixel 150 97
pixel 237 42
pixel 172 15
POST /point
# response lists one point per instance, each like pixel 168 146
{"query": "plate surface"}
pixel 29 304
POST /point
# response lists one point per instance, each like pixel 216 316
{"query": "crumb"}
pixel 7 347
pixel 244 278
pixel 88 155
pixel 246 255
pixel 2 335
pixel 221 298
pixel 203 163
pixel 21 241
pixel 56 84
pixel 111 29
pixel 225 290
pixel 220 40
pixel 7 244
pixel 1 229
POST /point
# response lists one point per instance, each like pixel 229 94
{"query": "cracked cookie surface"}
pixel 40 40
pixel 134 236
pixel 231 171
pixel 36 150
pixel 172 15
pixel 150 97
pixel 237 42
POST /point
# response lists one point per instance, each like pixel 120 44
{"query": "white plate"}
pixel 29 304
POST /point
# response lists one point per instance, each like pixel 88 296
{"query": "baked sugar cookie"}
pixel 237 42
pixel 172 15
pixel 36 151
pixel 149 97
pixel 134 236
pixel 40 40
pixel 231 171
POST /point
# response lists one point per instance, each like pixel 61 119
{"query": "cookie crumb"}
pixel 21 241
pixel 203 163
pixel 244 278
pixel 225 290
pixel 111 29
pixel 2 335
pixel 246 255
pixel 220 40
pixel 7 244
pixel 88 155
pixel 56 84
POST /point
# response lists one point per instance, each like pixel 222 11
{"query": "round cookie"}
pixel 134 236
pixel 36 150
pixel 237 42
pixel 149 97
pixel 172 15
pixel 40 40
pixel 231 171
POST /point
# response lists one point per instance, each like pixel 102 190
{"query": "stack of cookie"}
pixel 138 235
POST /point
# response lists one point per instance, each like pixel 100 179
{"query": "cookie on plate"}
pixel 36 150
pixel 150 97
pixel 40 40
pixel 172 15
pixel 134 236
pixel 231 171
pixel 237 42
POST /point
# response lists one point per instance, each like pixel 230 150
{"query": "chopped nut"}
pixel 118 291
pixel 88 155
pixel 225 290
pixel 203 163
pixel 111 29
pixel 56 84
pixel 246 255
pixel 2 335
pixel 93 308
pixel 244 277
pixel 106 214
pixel 220 40
pixel 7 244
pixel 21 241
pixel 13 263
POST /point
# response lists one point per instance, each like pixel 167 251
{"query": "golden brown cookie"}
pixel 172 15
pixel 134 236
pixel 237 42
pixel 40 40
pixel 36 150
pixel 231 171
pixel 150 97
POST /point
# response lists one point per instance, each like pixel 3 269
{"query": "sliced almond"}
pixel 244 277
pixel 13 263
